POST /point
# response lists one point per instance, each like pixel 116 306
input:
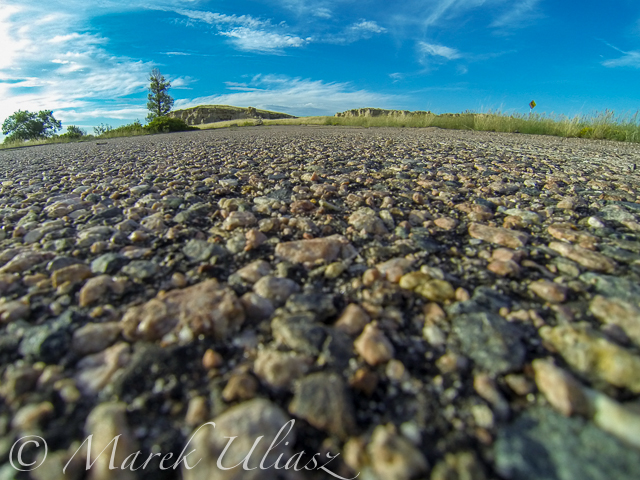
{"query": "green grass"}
pixel 598 126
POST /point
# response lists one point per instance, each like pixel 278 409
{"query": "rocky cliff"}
pixel 220 113
pixel 379 112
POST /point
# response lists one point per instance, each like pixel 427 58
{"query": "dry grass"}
pixel 606 125
pixel 599 126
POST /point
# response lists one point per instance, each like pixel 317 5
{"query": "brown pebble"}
pixel 504 268
pixel 365 381
pixel 451 362
pixel 434 313
pixel 374 346
pixel 561 389
pixel 395 370
pixel 241 386
pixel 519 383
pixel 139 236
pixel 370 276
pixel 352 320
pixel 446 223
pixel 98 247
pixel 72 274
pixel 197 411
pixel 507 254
pixel 550 291
pixel 178 280
pixel 212 359
pixel 462 295
pixel 500 236
pixel 31 280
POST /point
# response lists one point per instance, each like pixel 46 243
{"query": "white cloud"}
pixel 367 26
pixel 222 19
pixel 412 15
pixel 50 61
pixel 248 33
pixel 628 59
pixel 364 29
pixel 124 113
pixel 322 12
pixel 631 59
pixel 518 14
pixel 261 41
pixel 182 83
pixel 423 15
pixel 296 96
pixel 308 8
pixel 434 50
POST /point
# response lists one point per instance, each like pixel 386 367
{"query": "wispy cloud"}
pixel 518 14
pixel 123 113
pixel 308 8
pixel 249 33
pixel 361 30
pixel 50 61
pixel 434 50
pixel 262 41
pixel 421 16
pixel 296 96
pixel 628 59
pixel 220 19
pixel 366 26
pixel 418 13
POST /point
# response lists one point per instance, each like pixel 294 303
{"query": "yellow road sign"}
pixel 532 104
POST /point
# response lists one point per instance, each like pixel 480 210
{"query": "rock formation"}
pixel 379 112
pixel 219 113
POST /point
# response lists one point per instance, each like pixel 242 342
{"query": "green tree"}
pixel 24 125
pixel 160 102
pixel 75 132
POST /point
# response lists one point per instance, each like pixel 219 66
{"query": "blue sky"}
pixel 89 61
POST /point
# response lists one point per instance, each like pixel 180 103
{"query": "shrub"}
pixel 167 124
pixel 102 129
pixel 73 133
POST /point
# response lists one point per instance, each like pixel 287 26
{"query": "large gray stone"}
pixel 545 445
pixel 322 400
pixel 493 343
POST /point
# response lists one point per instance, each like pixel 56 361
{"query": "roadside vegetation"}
pixel 599 126
pixel 25 128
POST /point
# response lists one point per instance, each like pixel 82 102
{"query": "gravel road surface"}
pixel 417 303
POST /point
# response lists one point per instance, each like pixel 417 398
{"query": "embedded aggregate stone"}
pixel 618 312
pixel 544 445
pixel 246 422
pixel 205 308
pixel 322 400
pixel 399 293
pixel 108 263
pixel 594 356
pixel 490 341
